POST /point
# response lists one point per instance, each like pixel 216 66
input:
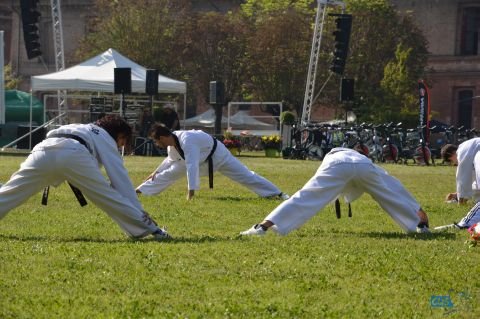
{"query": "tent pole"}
pixel 31 117
pixel 228 116
pixel 2 81
pixel 184 109
pixel 121 105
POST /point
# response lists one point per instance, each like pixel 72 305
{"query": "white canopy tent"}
pixel 97 75
pixel 238 123
pixel 240 119
pixel 205 119
pixel 244 120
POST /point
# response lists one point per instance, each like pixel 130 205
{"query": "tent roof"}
pixel 97 74
pixel 206 119
pixel 242 118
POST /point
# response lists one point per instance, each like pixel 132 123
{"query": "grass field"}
pixel 64 261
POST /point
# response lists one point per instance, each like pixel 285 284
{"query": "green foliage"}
pixel 287 118
pixel 11 81
pixel 261 51
pixel 216 51
pixel 63 261
pixel 277 56
pixel 380 36
pixel 254 8
pixel 144 35
pixel 399 90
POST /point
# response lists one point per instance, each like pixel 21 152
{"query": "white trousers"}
pixel 79 167
pixel 329 182
pixel 223 162
pixel 472 217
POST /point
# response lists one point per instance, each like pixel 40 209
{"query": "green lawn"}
pixel 64 261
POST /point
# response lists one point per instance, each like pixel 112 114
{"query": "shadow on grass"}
pixel 238 199
pixel 228 198
pixel 62 240
pixel 386 235
pixel 175 240
pixel 395 235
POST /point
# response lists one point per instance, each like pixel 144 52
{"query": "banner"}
pixel 424 99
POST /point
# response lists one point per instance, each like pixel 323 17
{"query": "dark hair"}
pixel 447 151
pixel 158 130
pixel 115 125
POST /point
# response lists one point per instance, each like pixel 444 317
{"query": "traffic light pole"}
pixel 314 54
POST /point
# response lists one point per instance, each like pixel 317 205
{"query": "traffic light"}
pixel 342 37
pixel 30 18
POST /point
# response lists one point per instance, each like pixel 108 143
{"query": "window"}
pixel 465 98
pixel 470 31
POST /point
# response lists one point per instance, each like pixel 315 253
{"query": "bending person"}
pixel 467 158
pixel 345 172
pixel 74 153
pixel 196 153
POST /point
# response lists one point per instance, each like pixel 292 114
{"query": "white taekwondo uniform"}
pixel 196 146
pixel 349 173
pixel 468 169
pixel 57 159
pixel 468 178
pixel 472 217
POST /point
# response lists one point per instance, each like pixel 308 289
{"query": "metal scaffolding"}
pixel 314 54
pixel 59 52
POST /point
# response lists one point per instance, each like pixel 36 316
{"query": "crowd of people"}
pixel 75 153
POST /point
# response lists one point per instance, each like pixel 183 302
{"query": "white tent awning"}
pixel 97 74
pixel 205 119
pixel 242 118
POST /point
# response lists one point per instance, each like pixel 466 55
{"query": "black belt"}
pixel 210 163
pixel 78 193
pixel 337 209
pixel 73 137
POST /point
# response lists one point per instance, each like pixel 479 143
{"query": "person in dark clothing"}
pixel 170 118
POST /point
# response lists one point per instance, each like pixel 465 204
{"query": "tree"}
pixel 378 32
pixel 215 52
pixel 197 47
pixel 399 89
pixel 258 8
pixel 145 31
pixel 277 57
pixel 11 81
pixel 262 51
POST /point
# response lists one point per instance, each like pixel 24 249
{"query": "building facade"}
pixel 450 26
pixel 452 30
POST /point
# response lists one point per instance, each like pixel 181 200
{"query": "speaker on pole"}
pixel 217 92
pixel 347 90
pixel 122 81
pixel 30 21
pixel 151 82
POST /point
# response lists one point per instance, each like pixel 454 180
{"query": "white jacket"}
pixel 466 153
pixel 104 150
